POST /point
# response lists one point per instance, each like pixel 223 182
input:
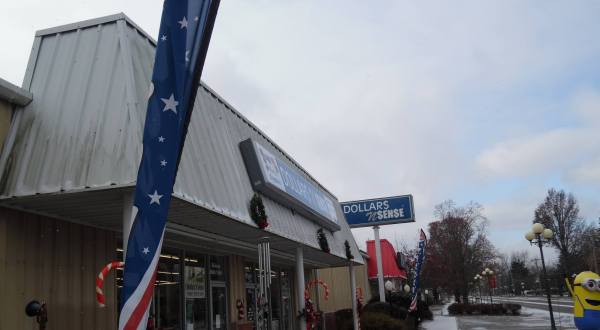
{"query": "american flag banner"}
pixel 184 35
pixel 420 257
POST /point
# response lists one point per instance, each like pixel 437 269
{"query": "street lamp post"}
pixel 389 287
pixel 488 273
pixel 477 279
pixel 538 235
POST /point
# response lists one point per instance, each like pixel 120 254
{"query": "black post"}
pixel 546 284
pixel 389 297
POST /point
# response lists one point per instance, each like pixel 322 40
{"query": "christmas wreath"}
pixel 348 250
pixel 322 240
pixel 257 212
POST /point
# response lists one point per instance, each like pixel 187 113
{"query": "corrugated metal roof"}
pixel 84 130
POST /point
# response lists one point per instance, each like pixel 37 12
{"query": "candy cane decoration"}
pixel 313 282
pixel 100 280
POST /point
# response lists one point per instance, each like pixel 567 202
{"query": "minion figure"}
pixel 586 300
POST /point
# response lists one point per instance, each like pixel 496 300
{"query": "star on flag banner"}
pixel 185 30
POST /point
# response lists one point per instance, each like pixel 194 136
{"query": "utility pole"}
pixel 594 234
pixel 537 273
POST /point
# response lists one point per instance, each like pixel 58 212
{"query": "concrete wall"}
pixel 47 259
pixel 237 286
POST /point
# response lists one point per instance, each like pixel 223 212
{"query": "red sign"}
pixel 492 282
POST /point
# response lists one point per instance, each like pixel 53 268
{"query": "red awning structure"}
pixel 388 259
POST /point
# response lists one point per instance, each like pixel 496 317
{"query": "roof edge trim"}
pixel 14 94
pixel 93 22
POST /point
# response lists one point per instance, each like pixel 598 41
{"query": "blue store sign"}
pixel 273 177
pixel 379 211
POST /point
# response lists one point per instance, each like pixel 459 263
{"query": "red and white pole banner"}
pixel 100 280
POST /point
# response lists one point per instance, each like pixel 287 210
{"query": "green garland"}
pixel 257 212
pixel 348 250
pixel 322 240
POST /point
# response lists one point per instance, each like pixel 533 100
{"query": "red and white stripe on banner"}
pixel 100 281
pixel 413 305
pixel 137 307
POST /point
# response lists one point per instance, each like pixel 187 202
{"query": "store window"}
pixel 195 283
pixel 250 282
pixel 217 269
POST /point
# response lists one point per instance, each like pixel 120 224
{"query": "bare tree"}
pixel 503 273
pixel 458 247
pixel 590 252
pixel 559 211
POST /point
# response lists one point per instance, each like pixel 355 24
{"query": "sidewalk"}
pixel 441 320
pixel 529 319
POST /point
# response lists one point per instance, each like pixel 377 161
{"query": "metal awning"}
pixel 189 226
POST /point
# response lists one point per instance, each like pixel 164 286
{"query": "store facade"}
pixel 69 163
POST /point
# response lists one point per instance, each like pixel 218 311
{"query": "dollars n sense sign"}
pixel 379 211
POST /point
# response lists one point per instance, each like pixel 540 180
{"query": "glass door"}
pixel 275 300
pixel 286 301
pixel 218 298
pixel 195 282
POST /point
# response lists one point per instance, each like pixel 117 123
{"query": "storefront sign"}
pixel 379 211
pixel 276 179
pixel 195 286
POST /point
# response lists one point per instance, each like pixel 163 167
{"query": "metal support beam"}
pixel 300 285
pixel 353 295
pixel 127 219
pixel 379 264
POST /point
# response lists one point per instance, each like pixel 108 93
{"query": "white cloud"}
pixel 538 154
pixel 558 149
pixel 587 173
pixel 587 104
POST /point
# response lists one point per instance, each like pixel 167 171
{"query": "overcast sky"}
pixel 493 102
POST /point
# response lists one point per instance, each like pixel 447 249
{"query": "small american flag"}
pixel 420 257
pixel 185 30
